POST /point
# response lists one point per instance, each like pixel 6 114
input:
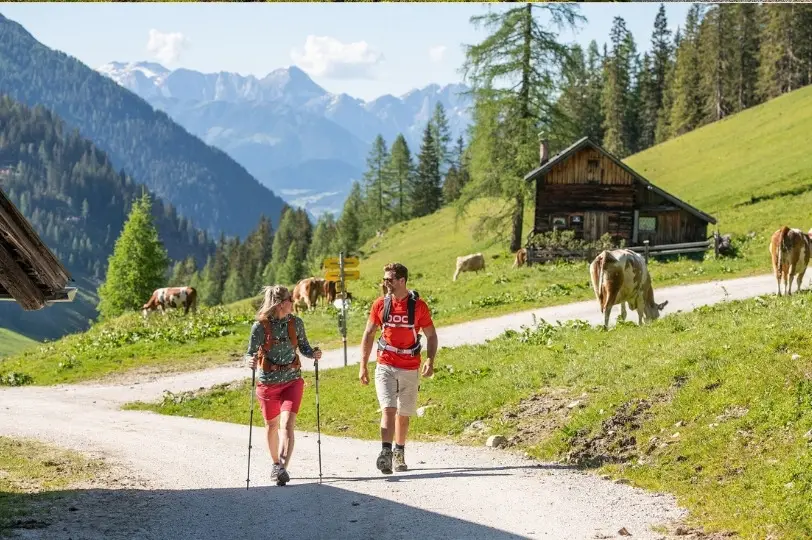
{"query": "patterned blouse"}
pixel 282 353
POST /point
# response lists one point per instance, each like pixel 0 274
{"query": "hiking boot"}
pixel 279 475
pixel 399 459
pixel 384 461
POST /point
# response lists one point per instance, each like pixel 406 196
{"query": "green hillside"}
pixel 12 342
pixel 752 171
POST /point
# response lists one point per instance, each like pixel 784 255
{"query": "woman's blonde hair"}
pixel 274 296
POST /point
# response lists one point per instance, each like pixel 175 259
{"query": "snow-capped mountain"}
pixel 303 142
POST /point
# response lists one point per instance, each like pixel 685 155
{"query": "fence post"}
pixel 645 243
pixel 715 244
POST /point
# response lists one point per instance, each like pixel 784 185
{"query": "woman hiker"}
pixel 275 336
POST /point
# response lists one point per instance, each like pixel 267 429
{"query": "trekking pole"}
pixel 250 425
pixel 318 420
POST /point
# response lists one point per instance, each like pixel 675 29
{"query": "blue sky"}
pixel 365 50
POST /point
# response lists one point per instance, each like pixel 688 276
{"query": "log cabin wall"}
pixel 589 194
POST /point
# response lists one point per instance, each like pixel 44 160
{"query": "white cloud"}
pixel 324 56
pixel 166 46
pixel 437 53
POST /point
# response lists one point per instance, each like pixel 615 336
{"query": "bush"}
pixel 565 240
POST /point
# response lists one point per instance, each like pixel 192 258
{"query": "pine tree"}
pixel 781 66
pixel 137 266
pixel 716 62
pixel 617 91
pixel 442 136
pixel 285 235
pixel 325 237
pixel 427 195
pixel 686 111
pixel 238 283
pixel 746 56
pixel 293 269
pixel 377 186
pixel 401 171
pixel 349 224
pixel 663 131
pixel 457 175
pixel 259 245
pixel 661 57
pixel 504 141
pixel 647 92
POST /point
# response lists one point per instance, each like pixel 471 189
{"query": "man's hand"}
pixel 428 368
pixel 363 375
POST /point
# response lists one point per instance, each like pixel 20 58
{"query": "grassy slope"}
pixel 757 153
pixel 723 423
pixel 12 342
pixel 33 471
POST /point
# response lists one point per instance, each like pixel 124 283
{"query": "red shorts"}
pixel 274 398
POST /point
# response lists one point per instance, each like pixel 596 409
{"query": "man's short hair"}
pixel 399 270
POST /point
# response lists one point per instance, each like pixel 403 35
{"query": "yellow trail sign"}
pixel 349 275
pixel 332 263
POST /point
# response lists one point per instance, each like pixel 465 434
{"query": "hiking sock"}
pixel 400 446
pixel 386 445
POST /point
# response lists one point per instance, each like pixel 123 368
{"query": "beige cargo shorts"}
pixel 397 387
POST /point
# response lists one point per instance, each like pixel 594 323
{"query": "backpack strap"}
pixel 414 350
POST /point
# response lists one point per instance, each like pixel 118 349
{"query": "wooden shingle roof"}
pixel 30 274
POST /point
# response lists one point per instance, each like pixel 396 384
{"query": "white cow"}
pixel 621 276
pixel 469 263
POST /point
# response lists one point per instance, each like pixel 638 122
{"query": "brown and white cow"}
pixel 307 291
pixel 621 277
pixel 521 258
pixel 469 263
pixel 330 292
pixel 174 297
pixel 789 251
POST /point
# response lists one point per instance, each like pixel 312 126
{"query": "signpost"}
pixel 337 270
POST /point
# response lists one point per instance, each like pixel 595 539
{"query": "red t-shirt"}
pixel 401 338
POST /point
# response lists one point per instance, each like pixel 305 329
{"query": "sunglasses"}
pixel 389 280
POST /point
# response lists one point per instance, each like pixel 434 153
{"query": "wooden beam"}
pixel 17 282
pixel 19 233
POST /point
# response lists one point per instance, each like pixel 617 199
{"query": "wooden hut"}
pixel 591 192
pixel 30 274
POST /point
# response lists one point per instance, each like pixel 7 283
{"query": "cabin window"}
pixel 576 220
pixel 559 222
pixel 647 224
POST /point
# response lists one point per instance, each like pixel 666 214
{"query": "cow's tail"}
pixel 782 238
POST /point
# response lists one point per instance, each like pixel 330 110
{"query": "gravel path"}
pixel 188 475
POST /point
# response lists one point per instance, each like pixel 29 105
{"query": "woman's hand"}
pixel 316 355
pixel 251 362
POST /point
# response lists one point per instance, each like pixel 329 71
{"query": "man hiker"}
pixel 402 314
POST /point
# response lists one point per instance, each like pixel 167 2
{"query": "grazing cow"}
pixel 329 291
pixel 173 297
pixel 521 258
pixel 621 276
pixel 789 250
pixel 305 291
pixel 469 263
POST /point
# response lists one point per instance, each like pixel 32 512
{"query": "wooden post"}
pixel 715 244
pixel 645 243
